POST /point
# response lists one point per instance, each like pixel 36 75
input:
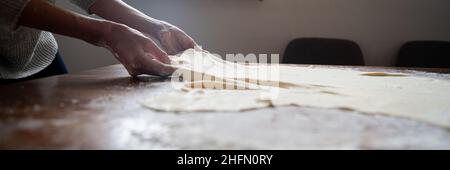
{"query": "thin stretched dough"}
pixel 393 94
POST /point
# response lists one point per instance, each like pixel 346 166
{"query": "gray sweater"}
pixel 25 51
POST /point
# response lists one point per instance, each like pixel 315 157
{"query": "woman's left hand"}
pixel 174 40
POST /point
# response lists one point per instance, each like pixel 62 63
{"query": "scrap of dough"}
pixel 379 74
pixel 407 96
pixel 205 100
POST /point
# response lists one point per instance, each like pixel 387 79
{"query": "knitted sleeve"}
pixel 10 11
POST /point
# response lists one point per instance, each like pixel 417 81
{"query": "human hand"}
pixel 174 40
pixel 138 53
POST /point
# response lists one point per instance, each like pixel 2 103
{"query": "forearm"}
pixel 118 11
pixel 42 15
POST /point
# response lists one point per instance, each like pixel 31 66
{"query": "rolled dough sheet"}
pixel 393 94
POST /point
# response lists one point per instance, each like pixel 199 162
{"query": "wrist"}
pixel 94 31
pixel 104 32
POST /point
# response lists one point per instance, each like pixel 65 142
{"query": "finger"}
pixel 167 42
pixel 175 46
pixel 156 52
pixel 188 42
pixel 152 66
pixel 155 67
pixel 127 62
pixel 166 69
pixel 132 70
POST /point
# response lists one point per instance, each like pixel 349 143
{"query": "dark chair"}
pixel 428 54
pixel 323 51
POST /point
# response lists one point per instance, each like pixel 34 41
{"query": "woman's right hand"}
pixel 138 53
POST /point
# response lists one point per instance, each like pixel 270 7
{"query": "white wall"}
pixel 251 26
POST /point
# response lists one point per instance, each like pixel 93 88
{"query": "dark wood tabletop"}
pixel 99 109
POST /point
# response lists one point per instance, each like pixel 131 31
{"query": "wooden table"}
pixel 99 109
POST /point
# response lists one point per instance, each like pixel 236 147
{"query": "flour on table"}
pixel 393 94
